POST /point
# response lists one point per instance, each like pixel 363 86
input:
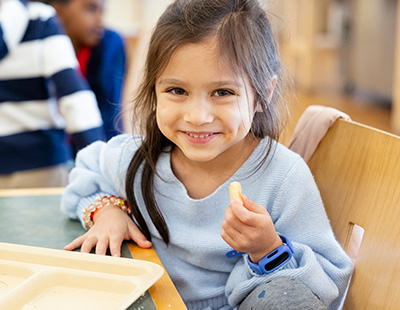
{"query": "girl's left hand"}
pixel 249 228
pixel 111 227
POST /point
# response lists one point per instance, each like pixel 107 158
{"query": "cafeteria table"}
pixel 32 217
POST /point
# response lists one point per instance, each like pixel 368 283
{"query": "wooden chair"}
pixel 357 169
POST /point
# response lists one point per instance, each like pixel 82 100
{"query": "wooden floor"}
pixel 328 92
pixel 365 111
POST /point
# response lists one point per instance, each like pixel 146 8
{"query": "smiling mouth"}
pixel 199 136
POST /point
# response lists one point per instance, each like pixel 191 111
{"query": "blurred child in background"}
pixel 100 53
pixel 42 98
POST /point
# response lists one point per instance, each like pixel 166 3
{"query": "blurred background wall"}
pixel 361 34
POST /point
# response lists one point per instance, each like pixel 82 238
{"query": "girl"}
pixel 209 109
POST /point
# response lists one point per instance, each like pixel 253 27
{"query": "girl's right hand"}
pixel 111 227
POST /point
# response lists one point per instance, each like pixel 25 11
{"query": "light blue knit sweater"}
pixel 195 258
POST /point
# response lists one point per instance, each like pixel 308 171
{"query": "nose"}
pixel 99 15
pixel 99 19
pixel 198 111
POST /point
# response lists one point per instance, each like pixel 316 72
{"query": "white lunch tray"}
pixel 35 278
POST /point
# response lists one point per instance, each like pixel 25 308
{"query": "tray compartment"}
pixel 43 279
pixel 66 289
pixel 11 275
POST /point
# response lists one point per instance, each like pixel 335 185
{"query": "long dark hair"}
pixel 245 38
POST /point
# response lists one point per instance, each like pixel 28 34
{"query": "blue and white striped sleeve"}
pixel 77 103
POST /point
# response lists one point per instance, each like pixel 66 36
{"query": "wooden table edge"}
pixel 31 191
pixel 163 292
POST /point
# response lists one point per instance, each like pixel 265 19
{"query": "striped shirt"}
pixel 45 104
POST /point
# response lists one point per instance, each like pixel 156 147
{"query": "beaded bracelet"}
pixel 105 201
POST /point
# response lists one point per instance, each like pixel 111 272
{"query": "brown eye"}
pixel 177 91
pixel 91 8
pixel 222 92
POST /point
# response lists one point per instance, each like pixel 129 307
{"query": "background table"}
pixel 33 217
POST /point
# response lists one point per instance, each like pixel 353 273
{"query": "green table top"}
pixel 38 221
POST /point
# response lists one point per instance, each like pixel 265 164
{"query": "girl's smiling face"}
pixel 203 107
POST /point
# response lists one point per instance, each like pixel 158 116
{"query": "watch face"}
pixel 273 260
pixel 276 262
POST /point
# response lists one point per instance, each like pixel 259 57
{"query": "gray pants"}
pixel 282 293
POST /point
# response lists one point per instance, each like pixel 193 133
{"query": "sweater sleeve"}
pixel 318 260
pixel 77 103
pixel 99 171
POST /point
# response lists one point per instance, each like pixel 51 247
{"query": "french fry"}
pixel 235 191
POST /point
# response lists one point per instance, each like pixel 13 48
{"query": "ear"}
pixel 270 91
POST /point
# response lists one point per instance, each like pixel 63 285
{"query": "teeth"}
pixel 198 136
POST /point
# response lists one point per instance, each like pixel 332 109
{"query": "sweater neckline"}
pixel 246 171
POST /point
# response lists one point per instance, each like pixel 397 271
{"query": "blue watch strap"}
pixel 233 253
pixel 274 260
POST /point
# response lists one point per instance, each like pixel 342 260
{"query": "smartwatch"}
pixel 274 260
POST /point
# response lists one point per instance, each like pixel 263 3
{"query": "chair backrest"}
pixel 357 169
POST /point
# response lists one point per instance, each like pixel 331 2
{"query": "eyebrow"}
pixel 211 84
pixel 170 81
pixel 226 83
